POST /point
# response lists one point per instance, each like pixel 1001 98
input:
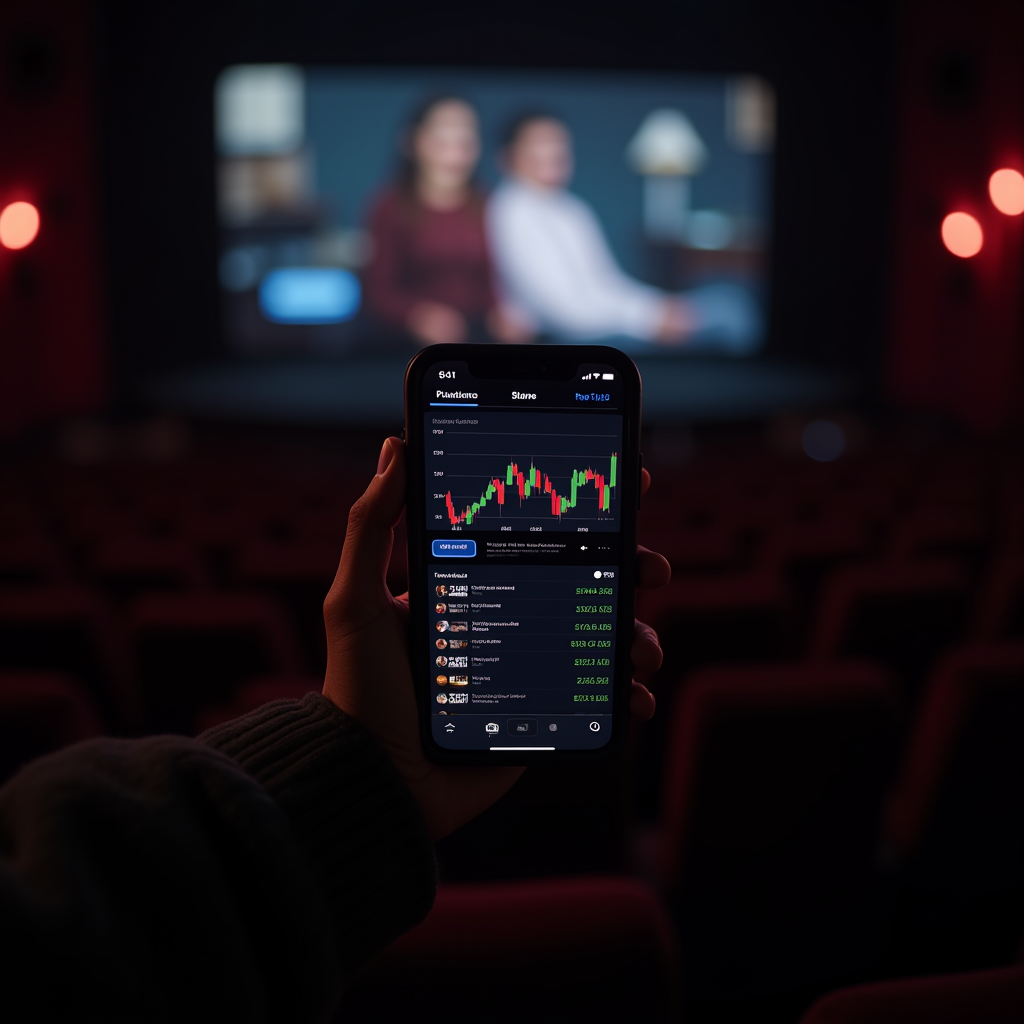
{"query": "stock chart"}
pixel 559 472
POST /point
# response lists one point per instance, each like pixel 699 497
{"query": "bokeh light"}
pixel 962 235
pixel 824 441
pixel 19 225
pixel 1006 189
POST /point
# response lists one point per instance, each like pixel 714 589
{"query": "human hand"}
pixel 368 672
pixel 436 324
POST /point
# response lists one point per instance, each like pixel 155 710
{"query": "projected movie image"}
pixel 373 211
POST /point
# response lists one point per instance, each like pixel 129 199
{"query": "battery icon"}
pixel 607 376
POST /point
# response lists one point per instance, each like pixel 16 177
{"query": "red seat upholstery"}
pixel 804 554
pixel 70 629
pixel 999 612
pixel 774 782
pixel 31 557
pixel 299 574
pixel 742 617
pixel 901 613
pixel 955 818
pixel 41 712
pixel 939 530
pixel 575 950
pixel 217 527
pixel 694 550
pixel 981 997
pixel 192 650
pixel 127 565
pixel 701 621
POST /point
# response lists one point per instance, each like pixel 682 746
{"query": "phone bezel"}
pixel 527 363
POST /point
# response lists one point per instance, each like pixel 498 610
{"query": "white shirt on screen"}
pixel 556 271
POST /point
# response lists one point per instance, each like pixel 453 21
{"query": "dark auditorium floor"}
pixel 832 789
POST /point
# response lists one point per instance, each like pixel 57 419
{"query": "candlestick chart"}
pixel 565 481
pixel 516 485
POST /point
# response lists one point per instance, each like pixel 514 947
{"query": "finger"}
pixel 401 603
pixel 359 591
pixel 645 652
pixel 641 703
pixel 652 570
pixel 645 481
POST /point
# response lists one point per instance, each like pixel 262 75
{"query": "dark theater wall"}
pixel 53 358
pixel 831 65
pixel 890 116
pixel 957 326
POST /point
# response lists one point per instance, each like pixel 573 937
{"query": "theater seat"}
pixel 804 554
pixel 981 997
pixel 999 613
pixel 773 791
pixel 220 527
pixel 694 550
pixel 31 557
pixel 955 818
pixel 191 651
pixel 70 629
pixel 299 574
pixel 575 950
pixel 41 712
pixel 900 613
pixel 745 617
pixel 125 566
pixel 939 531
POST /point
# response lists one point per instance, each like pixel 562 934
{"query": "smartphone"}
pixel 523 489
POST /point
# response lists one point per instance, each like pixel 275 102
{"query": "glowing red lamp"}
pixel 962 235
pixel 19 225
pixel 1006 189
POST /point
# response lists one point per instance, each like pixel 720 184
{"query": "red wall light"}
pixel 962 235
pixel 1006 189
pixel 19 225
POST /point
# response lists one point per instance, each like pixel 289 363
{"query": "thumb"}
pixel 359 591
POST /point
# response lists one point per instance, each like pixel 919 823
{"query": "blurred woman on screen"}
pixel 430 275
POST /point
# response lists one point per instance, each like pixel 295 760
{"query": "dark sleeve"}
pixel 387 296
pixel 244 876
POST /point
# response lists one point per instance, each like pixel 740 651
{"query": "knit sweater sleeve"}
pixel 244 876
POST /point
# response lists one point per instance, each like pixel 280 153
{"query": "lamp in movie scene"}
pixel 667 151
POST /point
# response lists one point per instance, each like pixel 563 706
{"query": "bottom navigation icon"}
pixel 595 726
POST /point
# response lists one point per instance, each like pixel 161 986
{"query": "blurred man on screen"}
pixel 558 275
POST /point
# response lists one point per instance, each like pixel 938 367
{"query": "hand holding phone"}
pixel 369 675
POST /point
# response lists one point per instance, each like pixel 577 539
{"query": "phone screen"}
pixel 523 518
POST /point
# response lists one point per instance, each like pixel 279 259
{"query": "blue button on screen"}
pixel 453 548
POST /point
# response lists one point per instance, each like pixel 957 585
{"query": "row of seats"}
pixel 207 642
pixel 768 829
pixel 531 950
pixel 817 802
